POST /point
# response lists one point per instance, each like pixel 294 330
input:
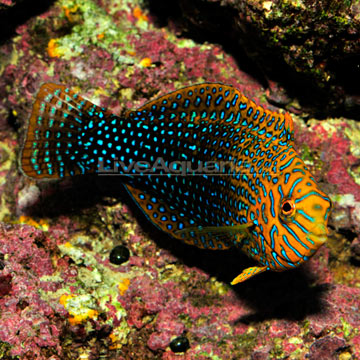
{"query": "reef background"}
pixel 60 298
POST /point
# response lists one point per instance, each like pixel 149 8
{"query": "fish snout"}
pixel 319 234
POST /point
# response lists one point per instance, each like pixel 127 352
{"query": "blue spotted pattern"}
pixel 243 176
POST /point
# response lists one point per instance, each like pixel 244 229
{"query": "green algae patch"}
pixel 347 329
pixel 7 158
pixel 307 154
pixel 5 350
pixel 245 343
pixel 93 291
pixel 94 27
pixel 352 132
pixel 277 351
pixel 219 287
pixel 7 162
pixel 211 355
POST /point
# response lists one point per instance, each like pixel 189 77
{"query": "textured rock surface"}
pixel 60 298
pixel 312 47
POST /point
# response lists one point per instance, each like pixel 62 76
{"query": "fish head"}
pixel 294 219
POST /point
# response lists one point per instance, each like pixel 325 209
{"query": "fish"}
pixel 205 164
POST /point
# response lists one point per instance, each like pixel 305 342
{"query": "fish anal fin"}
pixel 248 273
pixel 156 210
pixel 169 220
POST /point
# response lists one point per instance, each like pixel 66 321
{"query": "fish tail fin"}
pixel 60 134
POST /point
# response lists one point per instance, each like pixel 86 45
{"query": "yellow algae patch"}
pixel 73 249
pixel 98 288
pixel 115 344
pixel 267 5
pixel 146 62
pixel 79 307
pixel 69 12
pixel 42 224
pixel 123 286
pixel 118 336
pixel 137 12
pixel 78 319
pixel 53 49
pixel 100 91
pixel 64 298
pixel 7 156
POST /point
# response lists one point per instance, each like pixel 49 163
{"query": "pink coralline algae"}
pixel 27 322
pixel 340 159
pixel 7 2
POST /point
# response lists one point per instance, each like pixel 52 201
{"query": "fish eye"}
pixel 287 207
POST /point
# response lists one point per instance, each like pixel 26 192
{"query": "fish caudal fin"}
pixel 248 273
pixel 59 134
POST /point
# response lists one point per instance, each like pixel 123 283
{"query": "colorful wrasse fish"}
pixel 211 168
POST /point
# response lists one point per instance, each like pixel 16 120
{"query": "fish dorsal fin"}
pixel 183 228
pixel 212 102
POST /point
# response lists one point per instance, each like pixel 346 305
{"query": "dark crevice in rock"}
pixel 22 11
pixel 216 28
pixel 303 40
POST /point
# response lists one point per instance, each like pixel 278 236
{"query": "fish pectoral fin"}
pixel 248 273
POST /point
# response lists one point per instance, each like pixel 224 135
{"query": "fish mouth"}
pixel 318 239
pixel 315 241
pixel 318 235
